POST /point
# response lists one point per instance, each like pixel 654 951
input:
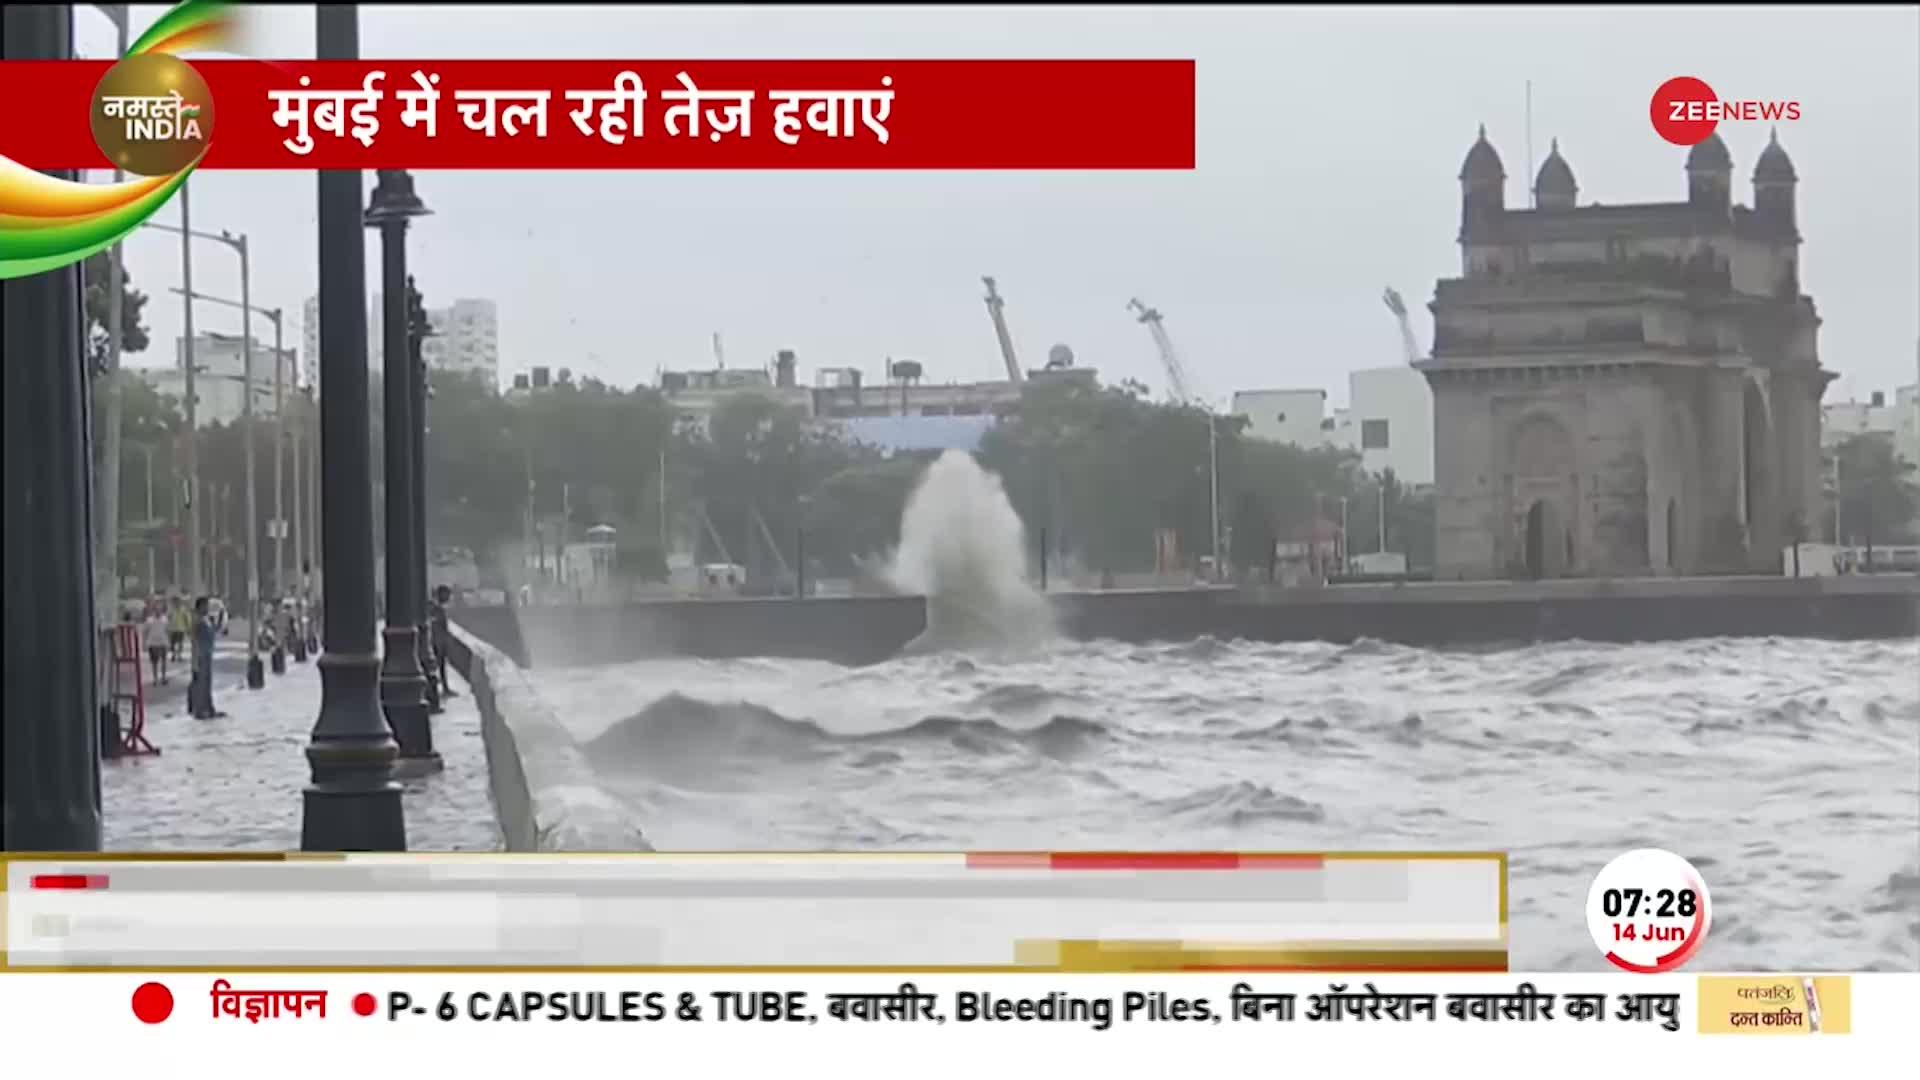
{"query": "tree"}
pixel 1096 471
pixel 1252 546
pixel 98 276
pixel 104 409
pixel 1879 499
pixel 1107 468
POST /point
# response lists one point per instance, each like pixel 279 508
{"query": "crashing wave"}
pixel 963 547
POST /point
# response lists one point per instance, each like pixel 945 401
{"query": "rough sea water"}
pixel 1787 770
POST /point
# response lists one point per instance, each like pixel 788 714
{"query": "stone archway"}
pixel 1673 491
pixel 1543 496
pixel 1547 547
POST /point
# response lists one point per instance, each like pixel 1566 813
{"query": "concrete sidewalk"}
pixel 234 783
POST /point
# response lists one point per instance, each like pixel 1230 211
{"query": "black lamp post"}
pixel 402 684
pixel 353 803
pixel 418 330
pixel 52 734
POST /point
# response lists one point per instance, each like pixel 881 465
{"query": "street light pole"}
pixel 402 683
pixel 279 466
pixel 196 585
pixel 1213 485
pixel 1383 515
pixel 277 315
pixel 256 677
pixel 353 803
pixel 153 578
pixel 312 583
pixel 1346 556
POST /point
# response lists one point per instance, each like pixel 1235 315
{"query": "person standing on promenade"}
pixel 154 630
pixel 180 625
pixel 442 597
pixel 200 695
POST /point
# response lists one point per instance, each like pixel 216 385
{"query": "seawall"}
pixel 862 630
pixel 544 792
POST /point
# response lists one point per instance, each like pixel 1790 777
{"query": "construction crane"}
pixel 1177 385
pixel 996 307
pixel 1182 393
pixel 1399 308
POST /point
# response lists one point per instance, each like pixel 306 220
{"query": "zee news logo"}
pixel 1686 110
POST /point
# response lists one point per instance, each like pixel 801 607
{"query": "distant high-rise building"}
pixel 466 339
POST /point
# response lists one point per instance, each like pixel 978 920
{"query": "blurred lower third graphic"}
pixel 984 912
pixel 1776 1005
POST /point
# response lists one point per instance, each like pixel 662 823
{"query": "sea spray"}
pixel 964 549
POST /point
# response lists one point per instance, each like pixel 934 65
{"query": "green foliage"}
pixel 1098 469
pixel 98 285
pixel 1102 469
pixel 1879 499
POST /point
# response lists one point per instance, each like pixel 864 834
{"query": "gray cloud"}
pixel 1329 143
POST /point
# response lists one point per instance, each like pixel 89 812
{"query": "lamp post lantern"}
pixel 402 682
pixel 353 803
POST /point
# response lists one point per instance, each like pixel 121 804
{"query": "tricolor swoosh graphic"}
pixel 47 222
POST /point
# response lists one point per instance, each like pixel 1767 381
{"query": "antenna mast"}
pixel 1533 197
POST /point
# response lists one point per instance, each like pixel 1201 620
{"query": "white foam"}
pixel 963 547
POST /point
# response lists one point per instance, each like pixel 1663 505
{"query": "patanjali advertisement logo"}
pixel 1685 110
pixel 152 115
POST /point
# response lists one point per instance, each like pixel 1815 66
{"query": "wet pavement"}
pixel 235 783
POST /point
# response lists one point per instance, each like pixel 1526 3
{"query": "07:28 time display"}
pixel 1661 904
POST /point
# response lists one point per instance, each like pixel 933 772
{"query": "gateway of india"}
pixel 1624 390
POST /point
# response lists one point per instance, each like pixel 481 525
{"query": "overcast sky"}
pixel 1330 142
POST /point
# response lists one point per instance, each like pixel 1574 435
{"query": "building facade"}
pixel 1388 421
pixel 1623 390
pixel 844 394
pixel 220 378
pixel 1843 420
pixel 1287 416
pixel 466 339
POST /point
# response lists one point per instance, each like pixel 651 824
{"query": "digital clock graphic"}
pixel 1649 911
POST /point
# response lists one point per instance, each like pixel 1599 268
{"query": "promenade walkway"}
pixel 234 783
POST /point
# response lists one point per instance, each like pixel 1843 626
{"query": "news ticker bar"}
pixel 1761 1004
pixel 1066 912
pixel 634 114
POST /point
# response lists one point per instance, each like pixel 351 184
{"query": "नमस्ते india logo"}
pixel 152 114
pixel 1685 110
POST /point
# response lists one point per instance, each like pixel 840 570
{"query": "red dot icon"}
pixel 152 1003
pixel 364 1004
pixel 1684 111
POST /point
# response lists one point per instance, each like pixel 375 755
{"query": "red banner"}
pixel 612 114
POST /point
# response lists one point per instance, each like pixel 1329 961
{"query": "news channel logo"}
pixel 1686 111
pixel 152 115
